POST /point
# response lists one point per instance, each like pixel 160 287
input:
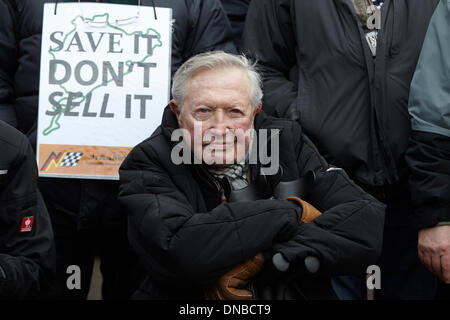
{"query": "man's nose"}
pixel 221 124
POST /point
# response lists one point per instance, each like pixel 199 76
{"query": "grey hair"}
pixel 214 60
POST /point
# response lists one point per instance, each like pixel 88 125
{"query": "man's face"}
pixel 217 113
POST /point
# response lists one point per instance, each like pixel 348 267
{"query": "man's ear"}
pixel 174 107
pixel 176 111
pixel 258 109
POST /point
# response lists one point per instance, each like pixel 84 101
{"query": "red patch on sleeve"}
pixel 27 224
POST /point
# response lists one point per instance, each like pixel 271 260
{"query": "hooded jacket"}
pixel 186 237
pixel 27 256
pixel 318 68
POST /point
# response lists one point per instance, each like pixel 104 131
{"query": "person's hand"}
pixel 434 250
pixel 233 284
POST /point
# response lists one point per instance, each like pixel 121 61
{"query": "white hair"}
pixel 213 60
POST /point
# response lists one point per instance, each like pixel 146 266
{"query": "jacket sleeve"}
pixel 211 29
pixel 177 243
pixel 8 58
pixel 20 52
pixel 428 154
pixel 27 259
pixel 26 78
pixel 347 237
pixel 269 39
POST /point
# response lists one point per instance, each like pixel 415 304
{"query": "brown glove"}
pixel 232 285
pixel 309 212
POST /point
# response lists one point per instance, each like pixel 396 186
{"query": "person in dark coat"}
pixel 27 253
pixel 183 222
pixel 429 151
pixel 343 69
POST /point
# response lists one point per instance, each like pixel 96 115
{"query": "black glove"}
pixel 294 257
pixel 274 282
pixel 270 283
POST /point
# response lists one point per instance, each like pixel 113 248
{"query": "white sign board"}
pixel 104 83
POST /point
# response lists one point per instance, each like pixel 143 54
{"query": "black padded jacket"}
pixel 186 237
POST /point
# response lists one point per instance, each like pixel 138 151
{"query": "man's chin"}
pixel 221 161
pixel 218 162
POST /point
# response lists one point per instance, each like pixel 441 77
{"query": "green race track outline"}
pixel 54 122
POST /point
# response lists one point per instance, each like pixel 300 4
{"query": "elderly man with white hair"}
pixel 207 213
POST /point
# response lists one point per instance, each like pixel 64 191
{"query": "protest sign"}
pixel 104 83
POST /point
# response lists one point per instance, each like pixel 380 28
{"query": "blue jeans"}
pixel 350 287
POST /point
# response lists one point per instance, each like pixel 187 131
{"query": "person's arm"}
pixel 8 63
pixel 177 243
pixel 26 254
pixel 347 236
pixel 20 51
pixel 428 154
pixel 428 157
pixel 26 78
pixel 268 38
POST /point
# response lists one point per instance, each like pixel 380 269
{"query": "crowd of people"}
pixel 355 98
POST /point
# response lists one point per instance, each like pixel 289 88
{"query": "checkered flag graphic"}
pixel 71 159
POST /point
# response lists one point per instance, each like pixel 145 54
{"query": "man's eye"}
pixel 236 112
pixel 202 114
